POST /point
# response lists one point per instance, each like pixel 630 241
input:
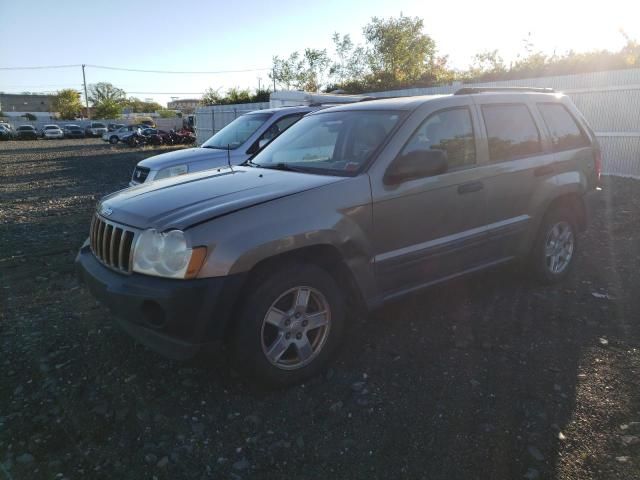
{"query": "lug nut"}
pixel 287 336
pixel 298 315
pixel 287 322
pixel 305 323
pixel 298 335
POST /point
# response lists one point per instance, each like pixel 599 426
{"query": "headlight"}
pixel 171 172
pixel 167 255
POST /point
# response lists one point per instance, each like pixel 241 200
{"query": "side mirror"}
pixel 416 164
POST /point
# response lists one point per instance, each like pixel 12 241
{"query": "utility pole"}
pixel 259 78
pixel 86 98
pixel 273 75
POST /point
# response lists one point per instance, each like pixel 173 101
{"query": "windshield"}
pixel 238 131
pixel 98 125
pixel 51 127
pixel 331 142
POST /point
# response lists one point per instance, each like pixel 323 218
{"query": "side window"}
pixel 511 131
pixel 565 132
pixel 448 130
pixel 280 126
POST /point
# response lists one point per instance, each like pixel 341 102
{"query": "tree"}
pixel 308 71
pixel 107 109
pixel 165 113
pixel 399 52
pixel 67 104
pixel 237 95
pixel 210 97
pixel 105 92
pixel 350 65
pixel 139 106
pixel 106 99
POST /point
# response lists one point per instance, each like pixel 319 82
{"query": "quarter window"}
pixel 511 132
pixel 565 132
pixel 450 131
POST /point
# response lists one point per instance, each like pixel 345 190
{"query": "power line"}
pixel 178 72
pixel 124 69
pixel 44 67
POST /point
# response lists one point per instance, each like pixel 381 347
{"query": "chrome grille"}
pixel 112 244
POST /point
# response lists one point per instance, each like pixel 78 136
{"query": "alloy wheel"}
pixel 559 247
pixel 295 328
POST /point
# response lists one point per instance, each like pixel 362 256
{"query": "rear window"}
pixel 511 132
pixel 565 132
pixel 25 127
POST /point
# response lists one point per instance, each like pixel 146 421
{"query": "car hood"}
pixel 178 157
pixel 182 201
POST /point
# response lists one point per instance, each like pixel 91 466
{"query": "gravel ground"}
pixel 489 377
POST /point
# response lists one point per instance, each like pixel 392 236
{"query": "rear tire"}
pixel 290 326
pixel 113 140
pixel 556 246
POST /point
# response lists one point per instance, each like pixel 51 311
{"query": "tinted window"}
pixel 511 131
pixel 450 131
pixel 280 126
pixel 565 132
pixel 98 125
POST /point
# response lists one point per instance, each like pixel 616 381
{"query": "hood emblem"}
pixel 106 211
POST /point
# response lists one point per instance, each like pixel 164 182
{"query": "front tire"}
pixel 291 325
pixel 556 246
pixel 113 140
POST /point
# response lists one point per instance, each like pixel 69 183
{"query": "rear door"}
pixel 430 228
pixel 519 167
pixel 569 141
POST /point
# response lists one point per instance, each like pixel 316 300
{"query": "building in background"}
pixel 184 105
pixel 25 102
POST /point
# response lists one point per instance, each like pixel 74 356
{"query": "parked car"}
pixel 26 132
pixel 352 206
pixel 244 137
pixel 73 131
pixel 95 129
pixel 114 126
pixel 52 131
pixel 5 134
pixel 121 134
pixel 6 126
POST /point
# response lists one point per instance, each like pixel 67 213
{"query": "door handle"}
pixel 543 170
pixel 470 187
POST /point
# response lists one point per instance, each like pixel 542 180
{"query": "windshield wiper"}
pixel 252 164
pixel 285 167
pixel 215 148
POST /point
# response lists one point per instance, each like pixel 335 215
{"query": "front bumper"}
pixel 176 318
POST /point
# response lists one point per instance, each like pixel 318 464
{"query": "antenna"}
pixel 229 156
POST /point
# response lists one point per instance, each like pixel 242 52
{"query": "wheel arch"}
pixel 325 256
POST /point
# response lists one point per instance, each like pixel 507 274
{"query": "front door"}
pixel 431 228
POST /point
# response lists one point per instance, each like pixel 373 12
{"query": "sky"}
pixel 241 35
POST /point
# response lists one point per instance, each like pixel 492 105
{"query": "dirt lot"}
pixel 490 377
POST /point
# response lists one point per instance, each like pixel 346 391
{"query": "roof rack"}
pixel 474 90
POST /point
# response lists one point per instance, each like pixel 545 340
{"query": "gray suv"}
pixel 234 144
pixel 350 207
